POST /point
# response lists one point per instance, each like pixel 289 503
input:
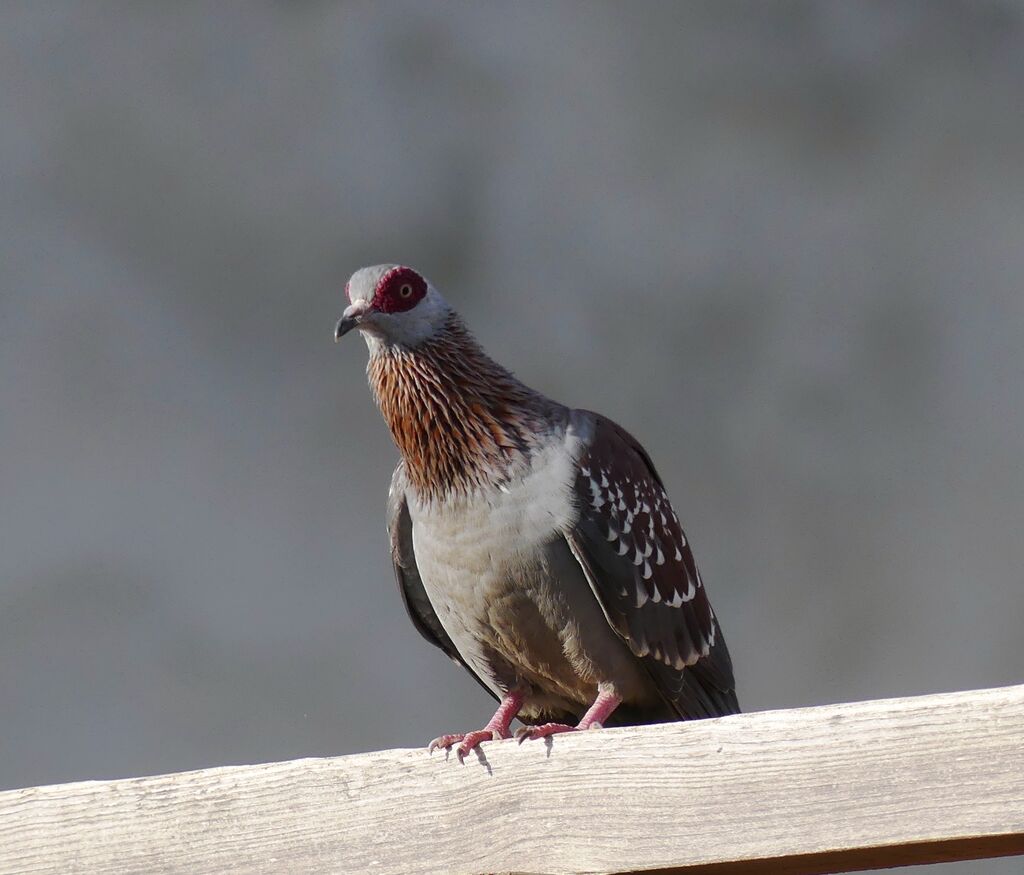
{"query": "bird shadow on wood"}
pixel 480 756
pixel 482 759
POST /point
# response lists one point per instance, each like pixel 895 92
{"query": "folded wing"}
pixel 639 565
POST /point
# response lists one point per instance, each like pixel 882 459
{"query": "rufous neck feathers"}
pixel 460 420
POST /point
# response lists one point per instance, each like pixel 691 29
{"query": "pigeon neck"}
pixel 460 420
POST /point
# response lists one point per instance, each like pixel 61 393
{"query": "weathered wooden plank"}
pixel 835 788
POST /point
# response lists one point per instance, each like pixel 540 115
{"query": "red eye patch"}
pixel 400 289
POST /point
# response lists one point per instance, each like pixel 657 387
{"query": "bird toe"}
pixel 466 742
pixel 471 740
pixel 444 741
pixel 544 730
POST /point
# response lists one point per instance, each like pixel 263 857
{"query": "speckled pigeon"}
pixel 533 543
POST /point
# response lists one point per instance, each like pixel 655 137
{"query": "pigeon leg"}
pixel 496 729
pixel 603 706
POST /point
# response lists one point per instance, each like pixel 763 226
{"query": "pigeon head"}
pixel 393 306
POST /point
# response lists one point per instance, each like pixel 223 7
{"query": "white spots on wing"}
pixel 711 637
pixel 641 596
pixel 640 525
pixel 603 493
pixel 679 599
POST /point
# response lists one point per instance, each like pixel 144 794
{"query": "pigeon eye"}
pixel 405 291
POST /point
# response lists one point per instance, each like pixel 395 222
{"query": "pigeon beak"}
pixel 350 318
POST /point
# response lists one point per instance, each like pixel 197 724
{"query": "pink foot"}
pixel 543 731
pixel 466 741
pixel 603 705
pixel 495 730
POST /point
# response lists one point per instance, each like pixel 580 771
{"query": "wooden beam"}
pixel 830 789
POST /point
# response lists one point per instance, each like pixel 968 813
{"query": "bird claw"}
pixel 467 741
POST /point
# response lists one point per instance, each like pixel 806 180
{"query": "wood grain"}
pixel 812 790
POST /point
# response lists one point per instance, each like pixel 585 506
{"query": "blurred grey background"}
pixel 781 243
